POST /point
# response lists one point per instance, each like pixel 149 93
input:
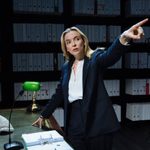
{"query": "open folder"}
pixel 45 140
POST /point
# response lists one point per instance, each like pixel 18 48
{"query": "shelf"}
pixel 76 19
pixel 136 73
pixel 46 46
pixel 131 123
pixel 140 47
pixel 37 18
pixel 136 98
pixel 36 76
pixel 113 74
pixel 116 99
pixel 23 104
pixel 34 47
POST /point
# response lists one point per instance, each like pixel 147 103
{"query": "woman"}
pixel 89 119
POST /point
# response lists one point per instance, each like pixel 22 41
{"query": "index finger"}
pixel 141 23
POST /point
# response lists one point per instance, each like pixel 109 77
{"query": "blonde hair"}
pixel 87 49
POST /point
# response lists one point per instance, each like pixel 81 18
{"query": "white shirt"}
pixel 76 83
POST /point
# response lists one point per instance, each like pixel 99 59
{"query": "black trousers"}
pixel 103 142
pixel 76 135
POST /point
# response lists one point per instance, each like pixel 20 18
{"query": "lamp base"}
pixel 34 108
pixel 14 145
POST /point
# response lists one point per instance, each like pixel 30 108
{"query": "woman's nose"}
pixel 73 43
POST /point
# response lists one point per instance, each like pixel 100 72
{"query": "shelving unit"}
pixel 66 13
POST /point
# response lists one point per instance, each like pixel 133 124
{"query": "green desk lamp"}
pixel 32 86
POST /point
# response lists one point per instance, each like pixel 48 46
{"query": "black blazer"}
pixel 98 113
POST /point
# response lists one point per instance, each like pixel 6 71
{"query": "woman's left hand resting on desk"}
pixel 39 122
pixel 135 32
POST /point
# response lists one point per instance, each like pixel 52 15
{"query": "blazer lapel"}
pixel 85 71
pixel 66 80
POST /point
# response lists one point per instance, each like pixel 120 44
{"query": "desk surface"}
pixel 22 123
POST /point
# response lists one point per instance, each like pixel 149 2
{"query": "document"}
pixel 45 140
pixel 63 145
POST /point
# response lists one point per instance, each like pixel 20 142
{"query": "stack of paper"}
pixel 43 137
pixel 45 140
pixel 63 145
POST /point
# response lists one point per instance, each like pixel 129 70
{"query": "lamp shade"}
pixel 31 86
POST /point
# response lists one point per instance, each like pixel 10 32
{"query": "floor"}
pixel 131 137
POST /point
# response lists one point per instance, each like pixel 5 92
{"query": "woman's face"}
pixel 74 44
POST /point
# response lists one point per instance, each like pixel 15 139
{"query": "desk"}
pixel 22 123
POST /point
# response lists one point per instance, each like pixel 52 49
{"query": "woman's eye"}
pixel 77 39
pixel 68 42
